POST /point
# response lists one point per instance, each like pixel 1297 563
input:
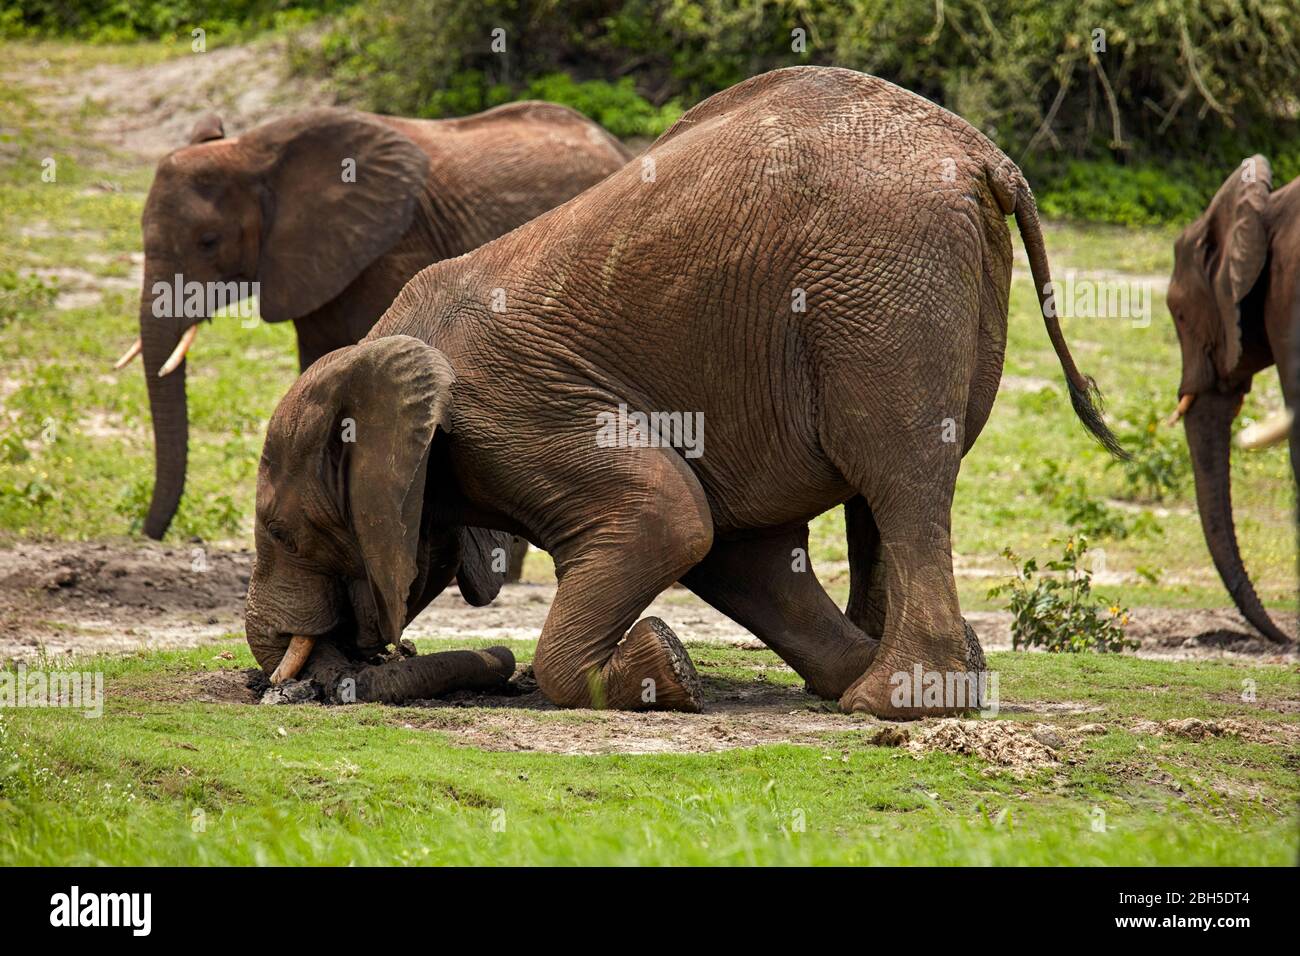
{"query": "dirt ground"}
pixel 150 110
pixel 743 712
pixel 81 598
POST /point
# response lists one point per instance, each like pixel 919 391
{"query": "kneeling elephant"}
pixel 814 264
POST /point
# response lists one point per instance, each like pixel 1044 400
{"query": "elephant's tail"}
pixel 1013 192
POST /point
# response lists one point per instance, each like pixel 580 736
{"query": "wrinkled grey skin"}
pixel 671 287
pixel 1234 297
pixel 272 206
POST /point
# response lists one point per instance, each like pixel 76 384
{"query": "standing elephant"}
pixel 816 265
pixel 331 211
pixel 1234 295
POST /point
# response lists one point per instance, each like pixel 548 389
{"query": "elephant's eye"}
pixel 281 537
pixel 208 241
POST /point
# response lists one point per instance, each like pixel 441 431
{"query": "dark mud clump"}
pixel 102 579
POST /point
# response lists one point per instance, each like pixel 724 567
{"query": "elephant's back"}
pixel 862 115
pixel 530 133
pixel 792 174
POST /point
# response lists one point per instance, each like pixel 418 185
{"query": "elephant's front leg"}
pixel 640 545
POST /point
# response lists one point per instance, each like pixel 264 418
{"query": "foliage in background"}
pixel 1105 134
pixel 1096 128
pixel 1085 513
pixel 1159 467
pixel 19 293
pixel 616 106
pixel 1058 612
pixel 125 20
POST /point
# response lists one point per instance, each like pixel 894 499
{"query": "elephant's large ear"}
pixel 484 562
pixel 1237 222
pixel 341 188
pixel 208 127
pixel 394 394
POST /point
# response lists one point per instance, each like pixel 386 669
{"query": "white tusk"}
pixel 294 658
pixel 178 354
pixel 1184 404
pixel 1268 432
pixel 129 354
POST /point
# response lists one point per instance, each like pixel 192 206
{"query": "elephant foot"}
pixel 650 670
pixel 899 686
pixel 829 682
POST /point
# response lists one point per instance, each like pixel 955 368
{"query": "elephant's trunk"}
pixel 409 678
pixel 1208 423
pixel 159 335
pixel 345 680
pixel 431 675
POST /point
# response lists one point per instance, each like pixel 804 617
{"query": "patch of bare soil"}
pixel 88 598
pixel 1172 634
pixel 737 714
pixel 73 597
pixel 150 110
pixel 209 687
pixel 744 712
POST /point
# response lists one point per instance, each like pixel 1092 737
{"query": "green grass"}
pixel 361 785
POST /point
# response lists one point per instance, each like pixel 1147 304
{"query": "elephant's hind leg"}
pixel 867 593
pixel 656 530
pixel 909 492
pixel 767 585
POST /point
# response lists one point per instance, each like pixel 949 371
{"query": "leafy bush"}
pixel 1060 84
pixel 1057 611
pixel 1129 195
pixel 205 518
pixel 23 294
pixel 616 106
pixel 117 21
pixel 1086 514
pixel 1159 466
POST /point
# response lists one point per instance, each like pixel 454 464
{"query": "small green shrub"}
pixel 1159 466
pixel 1085 513
pixel 208 519
pixel 23 294
pixel 1057 611
pixel 616 106
pixel 1091 516
pixel 122 21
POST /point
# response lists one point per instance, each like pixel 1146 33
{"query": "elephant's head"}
pixel 292 211
pixel 1214 298
pixel 352 534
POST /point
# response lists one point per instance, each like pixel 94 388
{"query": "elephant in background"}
pixel 1234 297
pixel 818 269
pixel 330 211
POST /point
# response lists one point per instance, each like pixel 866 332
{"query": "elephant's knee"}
pixel 677 540
pixel 561 681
